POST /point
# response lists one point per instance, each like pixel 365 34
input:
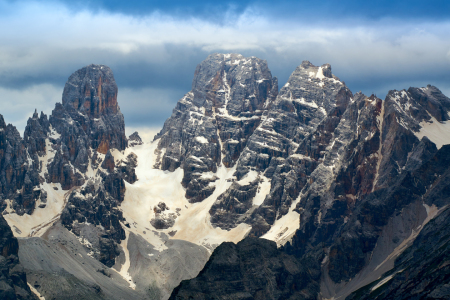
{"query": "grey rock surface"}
pixel 19 173
pixel 355 170
pixel 13 280
pixel 288 144
pixel 88 120
pixel 134 139
pixel 252 269
pixel 211 124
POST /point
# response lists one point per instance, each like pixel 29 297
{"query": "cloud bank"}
pixel 153 55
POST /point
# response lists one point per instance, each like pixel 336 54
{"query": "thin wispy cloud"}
pixel 156 52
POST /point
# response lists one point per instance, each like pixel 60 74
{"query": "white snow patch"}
pixel 300 156
pixel 437 132
pixel 319 74
pixel 154 186
pixel 126 265
pixel 380 118
pixel 284 228
pixel 33 225
pixel 382 282
pixel 201 139
pixel 263 191
pixel 303 101
pixel 249 177
pixel 35 291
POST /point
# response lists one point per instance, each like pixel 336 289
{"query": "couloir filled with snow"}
pixel 155 186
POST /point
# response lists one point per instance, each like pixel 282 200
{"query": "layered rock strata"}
pixel 211 125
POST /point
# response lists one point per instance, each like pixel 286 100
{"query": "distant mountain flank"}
pixel 247 192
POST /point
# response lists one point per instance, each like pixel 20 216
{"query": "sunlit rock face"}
pixel 211 125
pixel 92 92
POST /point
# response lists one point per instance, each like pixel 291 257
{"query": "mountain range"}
pixel 247 192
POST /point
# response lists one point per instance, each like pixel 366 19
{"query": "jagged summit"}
pixel 211 124
pixel 92 90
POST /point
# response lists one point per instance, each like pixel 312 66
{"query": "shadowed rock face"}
pixel 13 280
pixel 252 269
pixel 19 176
pixel 421 272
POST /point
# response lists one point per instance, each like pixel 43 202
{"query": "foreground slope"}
pixel 13 280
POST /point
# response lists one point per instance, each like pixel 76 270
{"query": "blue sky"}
pixel 153 47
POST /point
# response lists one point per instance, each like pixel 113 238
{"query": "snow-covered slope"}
pixel 191 220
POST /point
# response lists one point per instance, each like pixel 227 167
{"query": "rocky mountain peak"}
pixel 211 124
pixel 306 64
pixel 233 83
pixel 314 87
pixel 2 122
pixel 92 90
pixel 134 139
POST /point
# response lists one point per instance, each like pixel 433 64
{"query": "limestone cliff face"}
pixel 212 124
pixel 313 100
pixel 72 147
pixel 19 169
pixel 88 121
pixel 92 92
pixel 90 125
pixel 251 269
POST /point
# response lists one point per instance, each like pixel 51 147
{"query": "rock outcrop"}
pixel 19 167
pixel 87 122
pixel 134 139
pixel 13 280
pixel 252 269
pixel 89 125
